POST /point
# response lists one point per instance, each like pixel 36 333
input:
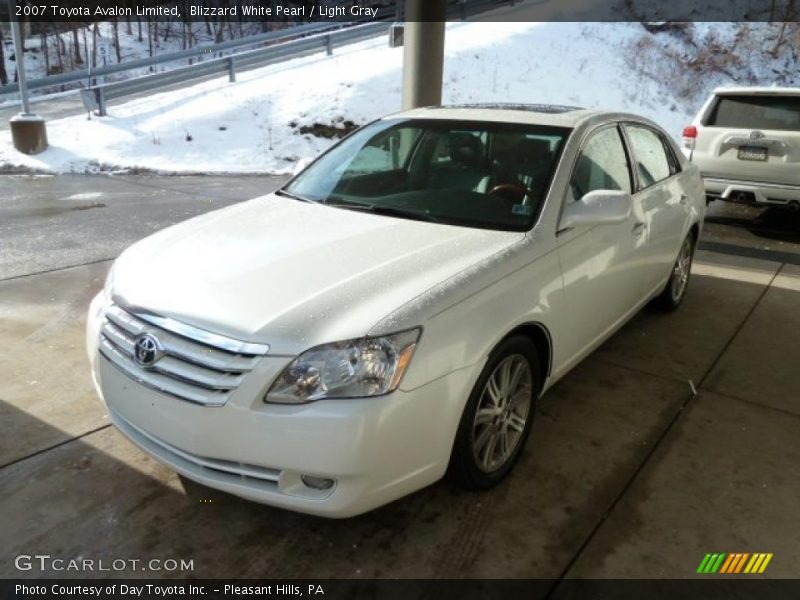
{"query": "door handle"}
pixel 639 228
pixel 684 199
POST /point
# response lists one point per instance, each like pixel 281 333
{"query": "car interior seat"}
pixel 467 169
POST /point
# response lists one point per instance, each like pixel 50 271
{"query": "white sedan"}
pixel 392 314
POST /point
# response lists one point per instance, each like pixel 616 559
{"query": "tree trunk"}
pixel 45 49
pixel 86 47
pixel 151 36
pixel 115 30
pixel 60 49
pixel 3 74
pixel 95 33
pixel 128 24
pixel 77 44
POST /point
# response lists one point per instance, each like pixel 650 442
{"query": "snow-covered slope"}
pixel 254 125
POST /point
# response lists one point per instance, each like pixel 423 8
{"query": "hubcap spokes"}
pixel 502 413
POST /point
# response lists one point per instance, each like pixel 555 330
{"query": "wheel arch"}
pixel 537 333
pixel 695 231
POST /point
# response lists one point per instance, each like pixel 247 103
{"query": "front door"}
pixel 601 264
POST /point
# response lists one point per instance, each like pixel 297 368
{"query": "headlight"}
pixel 352 369
pixel 108 288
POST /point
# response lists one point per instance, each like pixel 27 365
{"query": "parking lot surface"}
pixel 676 438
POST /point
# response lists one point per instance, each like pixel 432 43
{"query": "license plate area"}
pixel 753 153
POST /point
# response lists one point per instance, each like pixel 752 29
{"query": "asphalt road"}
pixel 53 222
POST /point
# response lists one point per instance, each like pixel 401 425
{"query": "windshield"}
pixel 475 174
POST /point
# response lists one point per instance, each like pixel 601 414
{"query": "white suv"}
pixel 746 142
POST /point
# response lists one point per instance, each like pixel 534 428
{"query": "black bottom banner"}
pixel 404 589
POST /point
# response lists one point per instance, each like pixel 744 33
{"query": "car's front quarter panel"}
pixel 465 317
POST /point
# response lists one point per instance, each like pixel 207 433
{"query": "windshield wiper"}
pixel 387 211
pixel 286 194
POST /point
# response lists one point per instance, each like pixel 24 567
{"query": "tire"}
pixel 674 292
pixel 484 453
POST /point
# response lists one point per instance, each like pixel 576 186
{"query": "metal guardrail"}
pixel 96 98
pixel 321 36
pixel 196 52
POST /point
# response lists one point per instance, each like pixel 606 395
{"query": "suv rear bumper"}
pixel 751 192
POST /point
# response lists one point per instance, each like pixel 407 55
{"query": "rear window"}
pixel 756 112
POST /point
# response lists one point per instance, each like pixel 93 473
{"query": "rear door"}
pixel 751 137
pixel 662 200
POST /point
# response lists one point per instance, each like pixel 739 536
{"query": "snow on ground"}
pixel 131 48
pixel 247 126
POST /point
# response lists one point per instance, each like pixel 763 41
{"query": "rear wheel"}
pixel 675 290
pixel 498 416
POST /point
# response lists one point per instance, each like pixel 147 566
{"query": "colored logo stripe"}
pixel 710 563
pixel 734 563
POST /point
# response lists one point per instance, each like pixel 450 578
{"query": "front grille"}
pixel 197 366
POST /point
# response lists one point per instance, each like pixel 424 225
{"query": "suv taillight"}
pixel 689 136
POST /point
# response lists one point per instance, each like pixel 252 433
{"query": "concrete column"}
pixel 28 132
pixel 423 58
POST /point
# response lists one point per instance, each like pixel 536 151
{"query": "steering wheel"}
pixel 509 187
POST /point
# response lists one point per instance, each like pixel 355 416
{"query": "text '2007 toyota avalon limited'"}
pixel 393 313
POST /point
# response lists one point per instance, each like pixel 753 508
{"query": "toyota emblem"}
pixel 757 135
pixel 147 350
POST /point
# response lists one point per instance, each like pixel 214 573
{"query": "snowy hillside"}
pixel 262 123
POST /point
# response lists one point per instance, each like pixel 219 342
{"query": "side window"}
pixel 602 165
pixel 652 163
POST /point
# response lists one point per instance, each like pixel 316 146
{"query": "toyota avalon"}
pixel 392 314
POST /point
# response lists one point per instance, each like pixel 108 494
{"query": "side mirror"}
pixel 597 208
pixel 301 165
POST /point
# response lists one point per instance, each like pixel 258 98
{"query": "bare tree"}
pixel 3 74
pixel 43 42
pixel 115 34
pixel 95 33
pixel 76 46
pixel 61 49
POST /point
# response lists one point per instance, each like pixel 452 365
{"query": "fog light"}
pixel 317 483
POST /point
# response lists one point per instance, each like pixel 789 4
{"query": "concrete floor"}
pixel 628 472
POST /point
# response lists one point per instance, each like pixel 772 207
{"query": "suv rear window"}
pixel 756 112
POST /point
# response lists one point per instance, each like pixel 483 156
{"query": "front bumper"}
pixel 375 449
pixel 758 193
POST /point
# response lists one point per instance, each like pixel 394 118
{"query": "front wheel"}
pixel 675 290
pixel 498 416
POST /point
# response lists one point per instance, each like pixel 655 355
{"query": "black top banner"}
pixel 306 11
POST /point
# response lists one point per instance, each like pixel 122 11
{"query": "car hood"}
pixel 293 274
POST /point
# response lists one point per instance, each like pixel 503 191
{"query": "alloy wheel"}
pixel 681 271
pixel 502 413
